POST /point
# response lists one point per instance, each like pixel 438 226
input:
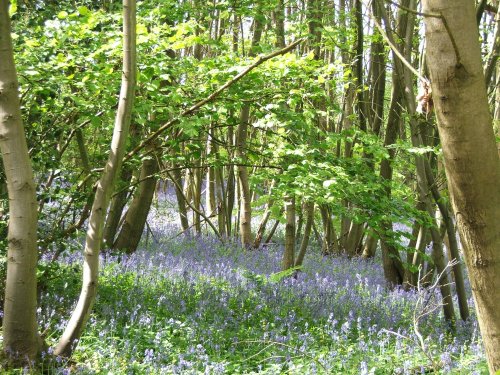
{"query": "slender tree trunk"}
pixel 105 186
pixel 262 227
pixel 422 183
pixel 21 341
pixel 360 105
pixel 309 211
pixel 314 15
pixel 289 254
pixel 272 231
pixel 244 187
pixel 221 201
pixel 181 201
pixel 471 160
pixel 354 239
pixel 393 268
pixel 452 242
pixel 263 223
pixel 116 207
pixel 378 76
pixel 131 231
pixel 329 245
pixel 279 19
pixel 370 247
pixel 210 189
pixel 196 188
pixel 241 142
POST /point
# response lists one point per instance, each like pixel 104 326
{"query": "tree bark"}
pixel 105 186
pixel 289 254
pixel 279 20
pixel 181 201
pixel 117 205
pixel 21 341
pixel 131 231
pixel 309 211
pixel 244 187
pixel 471 159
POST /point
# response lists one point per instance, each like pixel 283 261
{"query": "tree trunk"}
pixel 265 218
pixel 420 161
pixel 272 231
pixel 370 247
pixel 471 159
pixel 220 194
pixel 21 342
pixel 196 188
pixel 181 201
pixel 116 207
pixel 393 269
pixel 210 204
pixel 245 208
pixel 137 214
pixel 244 187
pixel 289 254
pixel 314 15
pixel 309 211
pixel 329 246
pixel 105 186
pixel 279 20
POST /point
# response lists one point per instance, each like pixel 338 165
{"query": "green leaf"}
pixel 62 15
pixel 13 7
pixel 278 276
pixel 83 10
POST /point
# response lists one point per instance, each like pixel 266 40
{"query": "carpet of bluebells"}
pixel 191 305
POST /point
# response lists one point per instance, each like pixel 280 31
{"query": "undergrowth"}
pixel 194 306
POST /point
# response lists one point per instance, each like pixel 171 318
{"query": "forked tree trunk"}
pixel 21 341
pixel 131 231
pixel 105 187
pixel 471 159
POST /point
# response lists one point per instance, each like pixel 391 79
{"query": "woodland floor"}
pixel 194 306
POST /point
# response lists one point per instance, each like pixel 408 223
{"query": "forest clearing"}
pixel 234 187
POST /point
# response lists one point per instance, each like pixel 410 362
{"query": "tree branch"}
pixel 212 97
